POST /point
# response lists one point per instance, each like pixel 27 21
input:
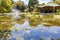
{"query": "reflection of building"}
pixel 49 8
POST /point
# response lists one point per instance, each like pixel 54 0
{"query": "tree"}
pixel 32 3
pixel 5 6
pixel 21 6
pixel 12 1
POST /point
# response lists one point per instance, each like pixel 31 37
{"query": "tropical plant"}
pixel 5 6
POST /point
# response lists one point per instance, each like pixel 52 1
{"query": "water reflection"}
pixel 34 20
pixel 36 33
pixel 5 35
pixel 28 28
pixel 5 27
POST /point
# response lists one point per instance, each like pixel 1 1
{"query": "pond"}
pixel 24 31
pixel 35 33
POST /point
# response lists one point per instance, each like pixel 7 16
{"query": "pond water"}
pixel 34 33
pixel 26 32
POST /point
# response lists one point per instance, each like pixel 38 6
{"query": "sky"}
pixel 40 1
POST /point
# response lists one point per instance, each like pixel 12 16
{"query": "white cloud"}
pixel 16 0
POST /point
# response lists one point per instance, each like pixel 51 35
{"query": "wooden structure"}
pixel 49 8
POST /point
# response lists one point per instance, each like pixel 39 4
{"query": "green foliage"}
pixel 57 12
pixel 12 1
pixel 5 6
pixel 21 6
pixel 41 4
pixel 32 3
pixel 36 10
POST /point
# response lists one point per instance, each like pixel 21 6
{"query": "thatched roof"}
pixel 51 4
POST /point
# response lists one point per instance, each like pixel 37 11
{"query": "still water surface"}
pixel 26 32
pixel 34 33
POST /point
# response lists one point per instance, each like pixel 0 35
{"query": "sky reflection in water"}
pixel 35 33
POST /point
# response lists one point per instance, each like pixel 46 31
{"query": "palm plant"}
pixel 5 6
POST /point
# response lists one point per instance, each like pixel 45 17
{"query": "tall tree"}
pixel 21 6
pixel 32 4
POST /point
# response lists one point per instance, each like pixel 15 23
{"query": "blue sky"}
pixel 40 1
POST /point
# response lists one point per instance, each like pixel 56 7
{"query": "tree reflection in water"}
pixel 5 35
pixel 21 19
pixel 6 22
pixel 34 20
pixel 5 26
